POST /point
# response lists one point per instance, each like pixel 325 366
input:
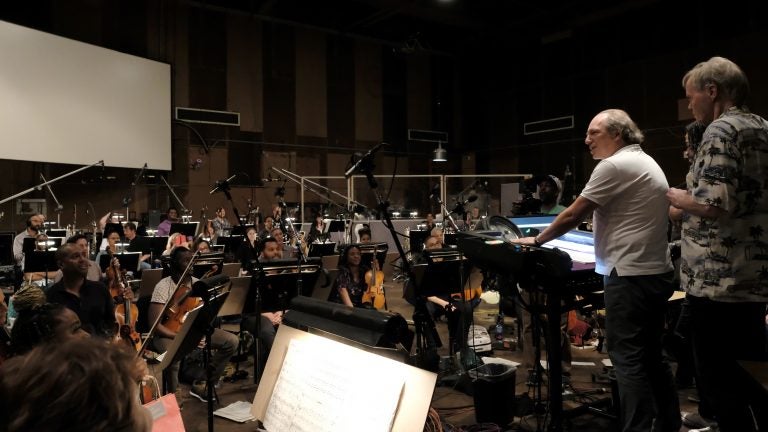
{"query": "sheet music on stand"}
pixel 317 391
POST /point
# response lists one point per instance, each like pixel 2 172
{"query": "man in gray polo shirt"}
pixel 627 194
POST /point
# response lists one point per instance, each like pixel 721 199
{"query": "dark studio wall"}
pixel 309 98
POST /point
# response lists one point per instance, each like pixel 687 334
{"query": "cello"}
pixel 374 278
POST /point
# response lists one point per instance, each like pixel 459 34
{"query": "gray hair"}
pixel 725 74
pixel 618 121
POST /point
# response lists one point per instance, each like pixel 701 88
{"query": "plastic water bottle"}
pixel 499 331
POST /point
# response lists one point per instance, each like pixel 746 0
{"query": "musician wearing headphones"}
pixel 223 342
pixel 34 225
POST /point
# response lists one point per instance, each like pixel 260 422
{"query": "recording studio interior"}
pixel 384 215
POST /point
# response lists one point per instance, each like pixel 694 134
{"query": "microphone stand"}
pixel 132 191
pixel 292 232
pixel 40 186
pixel 447 213
pixel 183 209
pixel 59 207
pixel 366 166
pixel 223 186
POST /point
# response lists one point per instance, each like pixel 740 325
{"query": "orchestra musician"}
pixel 287 250
pixel 94 272
pixel 137 243
pixel 164 228
pixel 223 342
pixel 349 286
pixel 34 225
pixel 271 312
pixel 38 322
pixel 627 194
pixel 364 234
pixel 266 231
pixel 88 299
pixel 248 251
pixel 317 231
pixel 220 223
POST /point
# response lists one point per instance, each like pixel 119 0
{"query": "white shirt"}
pixel 630 223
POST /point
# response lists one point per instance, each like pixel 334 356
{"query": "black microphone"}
pixel 222 185
pixel 363 160
pixel 472 198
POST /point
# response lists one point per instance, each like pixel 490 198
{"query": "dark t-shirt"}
pixel 94 307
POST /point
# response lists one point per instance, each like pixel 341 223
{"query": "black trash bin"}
pixel 494 393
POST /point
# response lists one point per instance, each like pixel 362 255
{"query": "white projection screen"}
pixel 63 101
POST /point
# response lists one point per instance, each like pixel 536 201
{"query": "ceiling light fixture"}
pixel 440 154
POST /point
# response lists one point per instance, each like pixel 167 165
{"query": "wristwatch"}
pixel 536 242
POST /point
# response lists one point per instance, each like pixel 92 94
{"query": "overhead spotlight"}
pixel 440 155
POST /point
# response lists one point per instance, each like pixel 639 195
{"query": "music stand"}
pixel 336 230
pixel 322 249
pixel 417 239
pixel 187 229
pixel 128 261
pixel 29 244
pixel 198 323
pixel 366 253
pixel 56 233
pixel 40 261
pixel 205 263
pixel 282 276
pixel 6 248
pixel 231 243
pixel 157 246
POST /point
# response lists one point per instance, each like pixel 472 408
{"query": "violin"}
pixel 181 304
pixel 374 278
pixel 126 313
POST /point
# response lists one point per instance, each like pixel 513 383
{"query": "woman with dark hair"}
pixel 248 250
pixel 317 231
pixel 350 281
pixel 38 322
pixel 84 384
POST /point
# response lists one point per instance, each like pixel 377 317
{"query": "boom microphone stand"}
pixel 40 186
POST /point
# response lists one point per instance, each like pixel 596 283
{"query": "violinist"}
pixel 350 285
pixel 223 342
pixel 89 300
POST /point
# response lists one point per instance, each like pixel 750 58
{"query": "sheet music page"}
pixel 327 386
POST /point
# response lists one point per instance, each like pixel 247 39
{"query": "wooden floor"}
pixel 454 406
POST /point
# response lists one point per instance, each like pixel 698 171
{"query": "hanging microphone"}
pixel 365 159
pixel 222 185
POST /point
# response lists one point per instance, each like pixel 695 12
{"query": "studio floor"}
pixel 450 399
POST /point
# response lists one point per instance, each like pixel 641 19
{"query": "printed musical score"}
pixel 324 386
